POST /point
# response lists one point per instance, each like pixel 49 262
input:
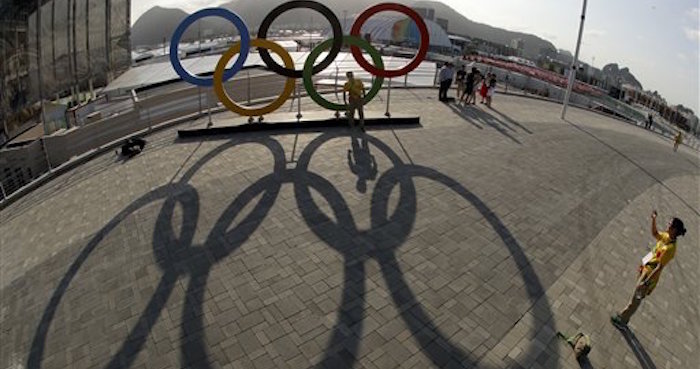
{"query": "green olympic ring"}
pixel 316 52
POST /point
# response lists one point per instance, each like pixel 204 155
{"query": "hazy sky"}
pixel 657 39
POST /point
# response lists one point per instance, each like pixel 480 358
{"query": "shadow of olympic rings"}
pixel 177 256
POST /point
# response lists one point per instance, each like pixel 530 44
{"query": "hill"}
pixel 461 25
pixel 159 22
pixel 614 72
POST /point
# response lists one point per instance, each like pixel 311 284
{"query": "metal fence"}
pixel 103 124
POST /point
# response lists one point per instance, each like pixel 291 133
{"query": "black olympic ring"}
pixel 305 4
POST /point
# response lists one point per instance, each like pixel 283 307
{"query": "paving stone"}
pixel 522 228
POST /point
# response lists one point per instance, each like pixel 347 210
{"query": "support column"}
pixel 572 72
pixel 38 58
pixel 108 38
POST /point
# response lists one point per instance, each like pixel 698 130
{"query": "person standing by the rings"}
pixel 356 89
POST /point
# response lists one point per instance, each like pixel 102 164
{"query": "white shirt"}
pixel 446 73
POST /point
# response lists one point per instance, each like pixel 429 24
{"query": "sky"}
pixel 658 40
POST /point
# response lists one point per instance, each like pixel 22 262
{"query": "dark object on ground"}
pixel 133 146
pixel 580 342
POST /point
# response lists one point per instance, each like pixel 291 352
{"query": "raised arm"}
pixel 654 231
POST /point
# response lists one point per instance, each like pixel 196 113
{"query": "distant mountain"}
pixel 159 22
pixel 461 25
pixel 614 72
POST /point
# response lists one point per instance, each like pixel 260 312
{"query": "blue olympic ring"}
pixel 180 30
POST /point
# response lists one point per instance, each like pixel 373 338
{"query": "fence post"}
pixel 250 119
pixel 46 154
pixel 296 87
pixel 335 85
pixel 2 189
pixel 209 124
pixel 388 100
pixel 405 80
pixel 199 97
pixel 248 76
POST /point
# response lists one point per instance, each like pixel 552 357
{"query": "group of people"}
pixel 475 81
pixel 468 84
pixel 354 93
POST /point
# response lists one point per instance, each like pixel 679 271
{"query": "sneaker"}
pixel 617 321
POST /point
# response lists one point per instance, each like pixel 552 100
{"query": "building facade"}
pixel 426 13
pixel 51 53
pixel 56 48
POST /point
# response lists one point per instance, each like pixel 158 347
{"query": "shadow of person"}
pixel 511 120
pixel 585 363
pixel 475 116
pixel 364 166
pixel 461 111
pixel 639 352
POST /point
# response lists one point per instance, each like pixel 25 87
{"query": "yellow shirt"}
pixel 663 252
pixel 354 88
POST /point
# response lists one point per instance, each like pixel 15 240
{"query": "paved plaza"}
pixel 466 242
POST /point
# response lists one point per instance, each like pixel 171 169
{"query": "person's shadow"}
pixel 364 166
pixel 637 348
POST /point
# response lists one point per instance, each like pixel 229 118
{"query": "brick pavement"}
pixel 481 234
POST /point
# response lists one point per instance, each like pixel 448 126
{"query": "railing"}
pixel 160 107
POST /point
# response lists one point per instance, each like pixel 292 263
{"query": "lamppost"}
pixel 572 72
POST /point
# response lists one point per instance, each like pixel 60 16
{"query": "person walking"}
pixel 461 80
pixel 478 77
pixel 356 89
pixel 484 89
pixel 652 265
pixel 468 86
pixel 650 122
pixel 445 77
pixel 491 89
pixel 677 141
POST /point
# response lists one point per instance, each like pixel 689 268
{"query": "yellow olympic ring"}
pixel 219 78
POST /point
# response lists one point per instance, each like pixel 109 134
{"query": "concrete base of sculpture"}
pixel 289 121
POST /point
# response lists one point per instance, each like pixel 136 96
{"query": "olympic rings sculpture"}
pixel 333 45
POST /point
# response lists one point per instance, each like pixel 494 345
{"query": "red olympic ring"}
pixel 422 50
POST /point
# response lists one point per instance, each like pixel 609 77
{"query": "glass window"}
pixel 33 63
pixel 120 34
pixel 47 73
pixel 61 45
pixel 81 38
pixel 97 35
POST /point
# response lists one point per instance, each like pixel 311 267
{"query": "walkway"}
pixel 467 242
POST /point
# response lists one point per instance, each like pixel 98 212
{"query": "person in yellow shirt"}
pixel 652 265
pixel 356 89
pixel 677 140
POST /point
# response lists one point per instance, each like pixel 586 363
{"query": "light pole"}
pixel 572 71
